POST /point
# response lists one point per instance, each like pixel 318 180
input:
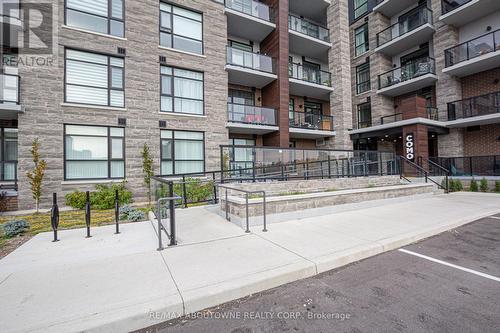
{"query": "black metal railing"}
pixel 311 121
pixel 254 115
pixel 364 124
pixel 474 106
pixel 471 165
pixel 391 118
pixel 450 5
pixel 473 48
pixel 9 88
pixel 433 113
pixel 164 211
pixel 252 8
pixel 409 169
pixel 256 61
pixel 408 72
pixel 416 18
pixel 304 73
pixel 306 27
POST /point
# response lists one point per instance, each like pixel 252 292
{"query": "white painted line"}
pixel 494 217
pixel 491 277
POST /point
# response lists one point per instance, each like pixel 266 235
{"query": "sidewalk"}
pixel 116 283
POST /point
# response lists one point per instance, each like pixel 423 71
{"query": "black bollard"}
pixel 87 214
pixel 54 216
pixel 117 213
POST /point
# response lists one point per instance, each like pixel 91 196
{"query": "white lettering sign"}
pixel 410 147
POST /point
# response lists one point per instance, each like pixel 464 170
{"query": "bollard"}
pixel 54 216
pixel 117 213
pixel 87 214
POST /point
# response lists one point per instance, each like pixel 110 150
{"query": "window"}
pixel 8 154
pixel 103 16
pixel 361 40
pixel 94 152
pixel 182 152
pixel 360 8
pixel 291 110
pixel 181 29
pixel 241 159
pixel 364 115
pixel 241 97
pixel 363 78
pixel 181 91
pixel 94 79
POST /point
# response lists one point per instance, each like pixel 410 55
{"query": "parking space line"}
pixel 491 277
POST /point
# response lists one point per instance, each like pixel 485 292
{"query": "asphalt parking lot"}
pixel 447 283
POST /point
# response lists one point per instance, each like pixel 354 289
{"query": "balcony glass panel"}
pixel 249 7
pixel 408 72
pixel 311 121
pixel 449 5
pixel 250 60
pixel 479 46
pixel 308 28
pixel 247 114
pixel 304 73
pixel 475 106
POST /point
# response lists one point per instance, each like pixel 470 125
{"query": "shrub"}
pixel 136 215
pixel 124 211
pixel 196 191
pixel 14 228
pixel 497 186
pixel 483 186
pixel 103 198
pixel 456 185
pixel 473 186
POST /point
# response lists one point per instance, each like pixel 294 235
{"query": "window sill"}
pixel 92 32
pixel 363 93
pixel 92 107
pixel 95 181
pixel 180 51
pixel 182 115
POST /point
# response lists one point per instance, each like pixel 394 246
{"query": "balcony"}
pixel 246 119
pixel 304 125
pixel 391 8
pixel 432 114
pixel 308 39
pixel 474 56
pixel 249 19
pixel 411 77
pixel 461 12
pixel 314 9
pixel 479 110
pixel 415 30
pixel 309 82
pixel 9 95
pixel 250 69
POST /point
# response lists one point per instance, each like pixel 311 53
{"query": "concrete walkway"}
pixel 118 283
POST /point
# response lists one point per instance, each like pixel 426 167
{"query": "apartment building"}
pixel 182 76
pixel 426 78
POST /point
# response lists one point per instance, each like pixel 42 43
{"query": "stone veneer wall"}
pixel 42 93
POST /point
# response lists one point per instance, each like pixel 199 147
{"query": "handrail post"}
pixel 264 211
pixel 447 184
pixel 54 216
pixel 87 214
pixel 184 192
pixel 158 218
pixel 329 167
pixel 307 169
pixel 282 172
pixel 215 189
pixel 173 240
pixel 247 217
pixel 117 213
pixel 227 206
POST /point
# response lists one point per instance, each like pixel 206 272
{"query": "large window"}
pixel 8 150
pixel 182 152
pixel 103 16
pixel 363 78
pixel 181 29
pixel 360 8
pixel 181 91
pixel 94 152
pixel 364 115
pixel 361 40
pixel 94 79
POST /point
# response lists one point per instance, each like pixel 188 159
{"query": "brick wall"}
pixel 481 83
pixel 484 142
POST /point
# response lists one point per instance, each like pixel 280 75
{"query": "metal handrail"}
pixel 422 170
pixel 301 20
pixel 250 114
pixel 395 116
pixel 316 121
pixel 296 71
pixel 172 235
pixel 409 72
pixel 247 193
pixel 255 6
pixel 450 52
pixel 472 105
pixel 256 61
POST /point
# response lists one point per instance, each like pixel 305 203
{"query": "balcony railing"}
pixel 470 166
pixel 9 88
pixel 474 107
pixel 449 5
pixel 311 121
pixel 299 72
pixel 408 72
pixel 254 115
pixel 308 28
pixel 256 61
pixel 391 118
pixel 433 114
pixel 471 49
pixel 364 124
pixel 252 8
pixel 416 18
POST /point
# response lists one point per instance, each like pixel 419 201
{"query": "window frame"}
pixel 366 41
pixel 109 18
pixel 355 9
pixel 172 33
pixel 109 76
pixel 3 161
pixel 173 159
pixel 367 83
pixel 172 80
pixel 110 152
pixel 359 109
pixel 232 154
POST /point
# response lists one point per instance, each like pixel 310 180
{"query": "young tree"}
pixel 147 170
pixel 36 175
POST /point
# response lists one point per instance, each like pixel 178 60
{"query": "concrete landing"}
pixel 118 283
